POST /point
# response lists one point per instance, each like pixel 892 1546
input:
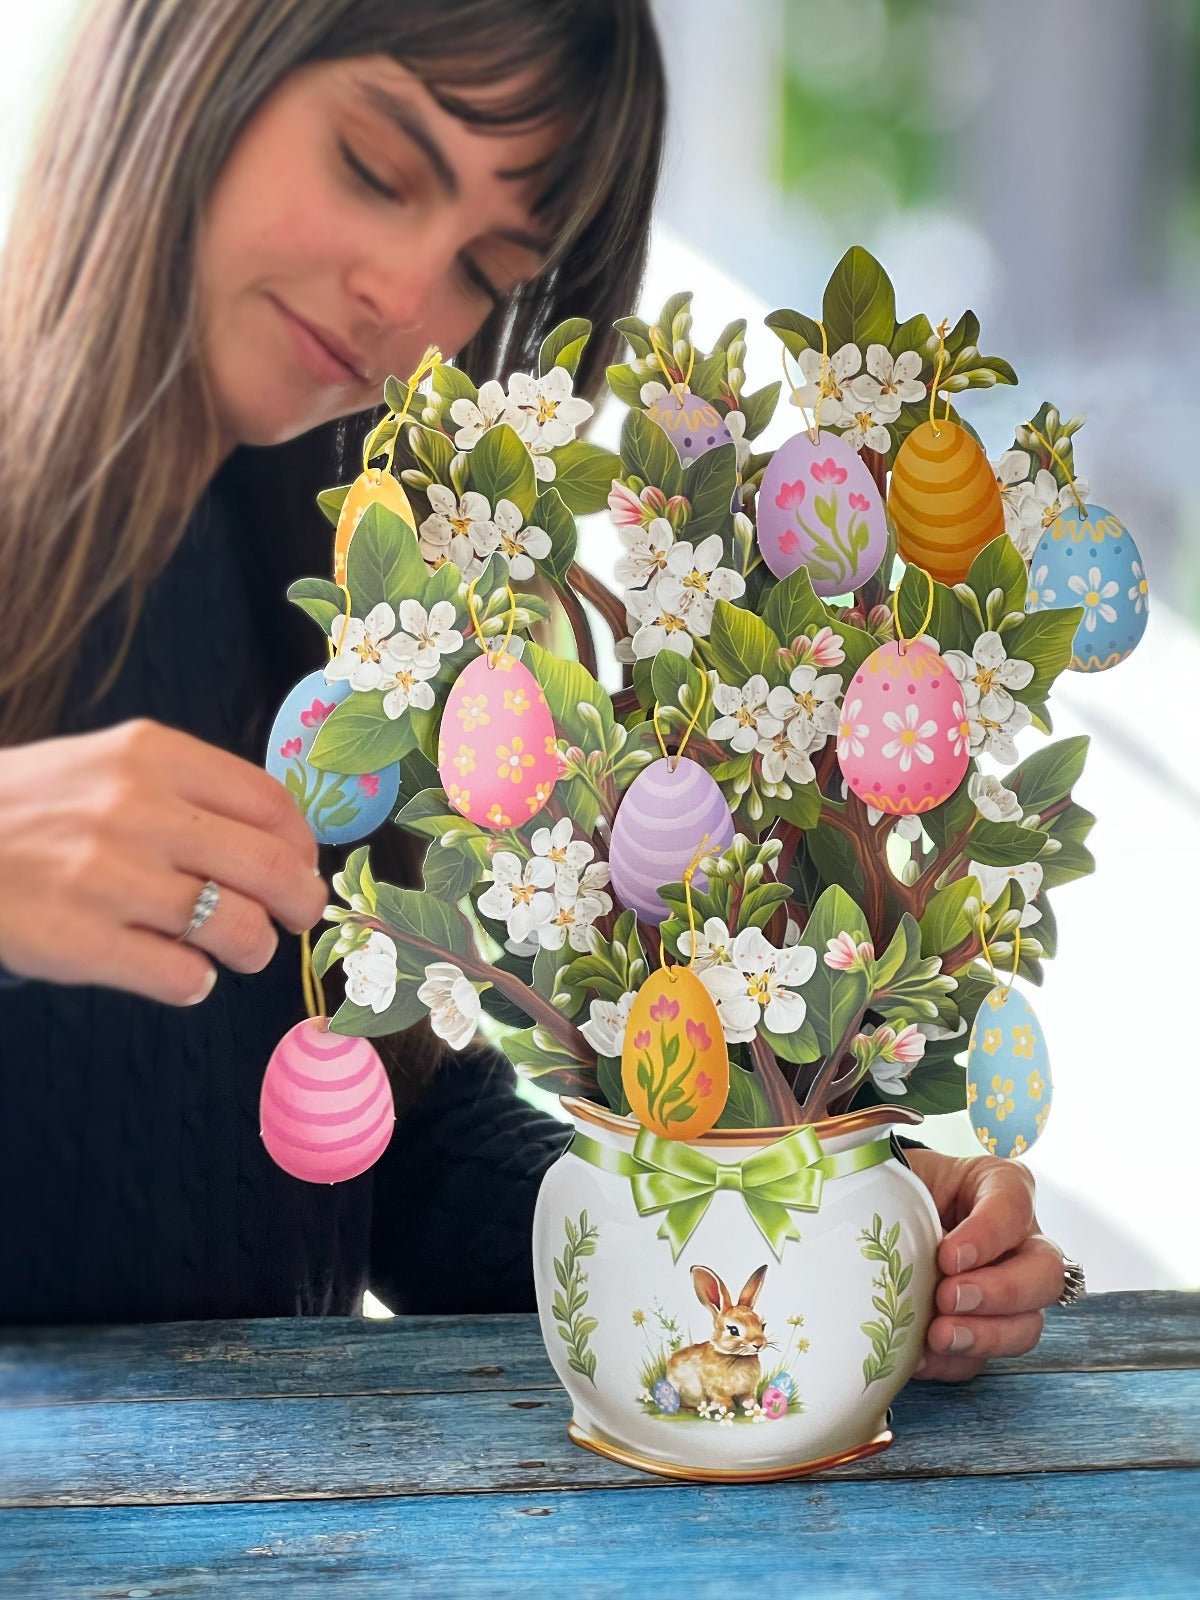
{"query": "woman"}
pixel 238 217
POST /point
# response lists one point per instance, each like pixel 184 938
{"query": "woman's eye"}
pixel 476 280
pixel 364 174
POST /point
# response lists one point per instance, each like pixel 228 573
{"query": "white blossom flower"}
pixel 825 391
pixel 517 544
pixel 892 1055
pixel 646 551
pixel 406 681
pixel 656 626
pixel 996 738
pixel 1094 595
pixel 1139 590
pixel 370 973
pixel 993 880
pixel 652 391
pixel 360 643
pixel 629 510
pixel 1047 501
pixel 545 413
pixel 453 1002
pixel 519 893
pixel 569 919
pixel 744 717
pixel 433 631
pixel 786 755
pixel 568 857
pixel 695 580
pixel 850 731
pixel 909 828
pixel 1012 479
pixel 910 733
pixel 987 675
pixel 844 955
pixel 709 948
pixel 735 421
pixel 888 384
pixel 604 1029
pixel 474 417
pixel 459 530
pixel 758 983
pixel 992 799
pixel 824 649
pixel 808 696
pixel 1039 597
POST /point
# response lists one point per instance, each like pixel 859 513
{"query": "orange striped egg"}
pixel 373 487
pixel 944 500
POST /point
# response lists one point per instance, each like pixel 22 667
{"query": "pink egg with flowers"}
pixel 325 1110
pixel 820 508
pixel 497 748
pixel 903 738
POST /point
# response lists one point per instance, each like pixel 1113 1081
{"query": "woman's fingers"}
pixel 985 1336
pixel 238 932
pixel 138 962
pixel 995 1204
pixel 1026 1280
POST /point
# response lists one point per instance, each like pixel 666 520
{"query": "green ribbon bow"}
pixel 679 1178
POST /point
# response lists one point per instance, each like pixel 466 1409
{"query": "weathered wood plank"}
pixel 162 1453
pixel 415 1355
pixel 1058 1535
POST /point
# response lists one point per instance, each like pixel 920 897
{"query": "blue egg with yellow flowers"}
pixel 1089 559
pixel 1008 1074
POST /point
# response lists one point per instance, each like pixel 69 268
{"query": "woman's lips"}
pixel 313 354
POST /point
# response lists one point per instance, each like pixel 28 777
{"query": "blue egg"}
pixel 339 809
pixel 1092 561
pixel 1008 1074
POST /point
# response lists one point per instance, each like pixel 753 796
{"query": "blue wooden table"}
pixel 429 1457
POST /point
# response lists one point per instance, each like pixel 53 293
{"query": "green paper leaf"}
pixel 647 453
pixel 318 598
pixel 742 644
pixel 746 1106
pixel 556 519
pixel 947 624
pixel 1004 844
pixel 563 346
pixel 1045 640
pixel 709 482
pixel 798 332
pixel 1049 775
pixel 999 566
pixel 358 736
pixel 452 383
pixel 951 916
pixel 583 475
pixel 834 998
pixel 331 502
pixel 758 408
pixel 859 305
pixel 502 469
pixel 384 562
pixel 450 874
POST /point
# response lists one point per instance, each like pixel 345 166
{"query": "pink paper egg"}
pixel 497 751
pixel 658 828
pixel 819 507
pixel 693 424
pixel 325 1110
pixel 903 736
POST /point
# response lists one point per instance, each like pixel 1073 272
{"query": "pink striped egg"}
pixel 666 812
pixel 325 1111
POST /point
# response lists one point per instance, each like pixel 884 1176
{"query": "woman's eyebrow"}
pixel 409 120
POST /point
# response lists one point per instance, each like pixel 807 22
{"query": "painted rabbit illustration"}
pixel 727 1367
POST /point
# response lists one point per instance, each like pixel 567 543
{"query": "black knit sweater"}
pixel 134 1185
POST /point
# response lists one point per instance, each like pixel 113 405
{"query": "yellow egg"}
pixel 373 487
pixel 943 500
pixel 674 1062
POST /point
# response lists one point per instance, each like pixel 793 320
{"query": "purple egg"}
pixel 658 828
pixel 693 424
pixel 819 507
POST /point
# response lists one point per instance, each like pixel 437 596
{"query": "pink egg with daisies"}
pixel 903 737
pixel 325 1109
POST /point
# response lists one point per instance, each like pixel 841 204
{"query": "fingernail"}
pixel 963 1339
pixel 968 1297
pixel 967 1256
pixel 206 989
pixel 316 872
pixel 920 1366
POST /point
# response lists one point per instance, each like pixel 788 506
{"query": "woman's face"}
pixel 301 248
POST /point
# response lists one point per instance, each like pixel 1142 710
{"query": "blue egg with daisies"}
pixel 1009 1088
pixel 1091 560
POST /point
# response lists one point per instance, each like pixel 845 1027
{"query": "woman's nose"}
pixel 398 292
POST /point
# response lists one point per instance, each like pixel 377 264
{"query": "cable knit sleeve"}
pixel 455 1190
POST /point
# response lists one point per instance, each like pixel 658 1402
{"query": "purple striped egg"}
pixel 666 812
pixel 325 1111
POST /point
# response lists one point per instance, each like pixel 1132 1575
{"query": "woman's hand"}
pixel 106 839
pixel 1000 1271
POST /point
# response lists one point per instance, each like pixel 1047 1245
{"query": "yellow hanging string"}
pixel 988 954
pixel 314 994
pixel 813 425
pixel 677 385
pixel 432 359
pixel 942 329
pixel 689 872
pixel 673 760
pixel 1067 473
pixel 920 633
pixel 478 625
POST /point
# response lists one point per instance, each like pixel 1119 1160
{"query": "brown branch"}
pixel 815 1101
pixel 785 1110
pixel 609 605
pixel 585 644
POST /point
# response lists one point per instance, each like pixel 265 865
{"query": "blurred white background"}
pixel 1038 161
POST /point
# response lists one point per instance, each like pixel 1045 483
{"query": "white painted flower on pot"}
pixel 745 1305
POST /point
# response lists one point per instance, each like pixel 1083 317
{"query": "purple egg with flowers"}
pixel 820 508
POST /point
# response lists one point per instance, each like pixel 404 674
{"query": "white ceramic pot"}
pixel 751 1354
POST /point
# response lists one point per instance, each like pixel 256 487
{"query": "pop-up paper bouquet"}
pixel 784 891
